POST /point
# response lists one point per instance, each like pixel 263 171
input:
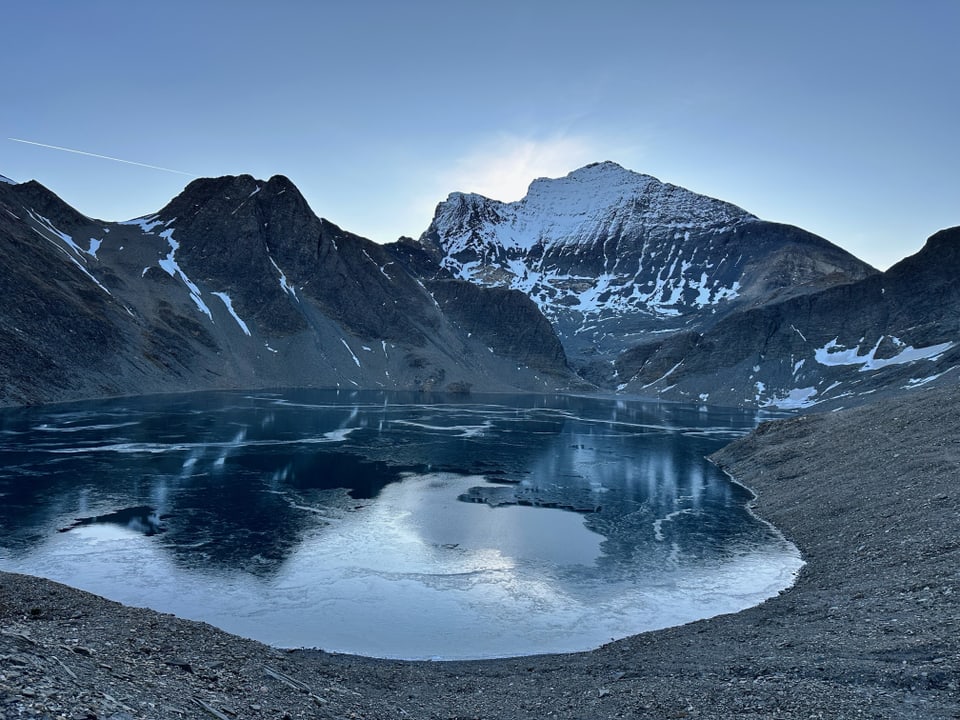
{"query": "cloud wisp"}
pixel 102 157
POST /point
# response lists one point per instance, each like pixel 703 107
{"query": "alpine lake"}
pixel 418 526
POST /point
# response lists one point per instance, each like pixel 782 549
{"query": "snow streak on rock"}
pixel 77 256
pixel 284 285
pixel 169 264
pixel 229 303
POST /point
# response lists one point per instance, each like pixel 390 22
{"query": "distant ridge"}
pixel 604 279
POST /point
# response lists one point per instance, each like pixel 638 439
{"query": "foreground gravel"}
pixel 871 629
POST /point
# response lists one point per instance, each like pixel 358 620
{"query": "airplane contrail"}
pixel 104 157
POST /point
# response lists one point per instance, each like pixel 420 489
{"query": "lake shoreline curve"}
pixel 871 628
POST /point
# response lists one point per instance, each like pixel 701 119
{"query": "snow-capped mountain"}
pixel 609 255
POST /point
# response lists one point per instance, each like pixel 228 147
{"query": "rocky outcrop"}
pixel 506 321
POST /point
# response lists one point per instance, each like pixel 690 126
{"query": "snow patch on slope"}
pixel 146 223
pixel 284 285
pixel 229 303
pixel 833 354
pixel 795 399
pixel 352 354
pixel 169 264
pixel 78 252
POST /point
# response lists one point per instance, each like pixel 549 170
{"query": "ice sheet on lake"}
pixel 437 577
pixel 419 568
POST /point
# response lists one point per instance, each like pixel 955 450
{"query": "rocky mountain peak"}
pixel 569 209
pixel 944 242
pixel 232 195
pixel 610 189
pixel 44 202
pixel 935 265
pixel 607 253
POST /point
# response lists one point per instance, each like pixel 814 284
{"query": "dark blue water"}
pixel 389 524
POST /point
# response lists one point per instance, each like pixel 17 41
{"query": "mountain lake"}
pixel 399 525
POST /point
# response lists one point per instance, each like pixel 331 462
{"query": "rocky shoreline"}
pixel 871 629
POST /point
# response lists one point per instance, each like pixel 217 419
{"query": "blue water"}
pixel 390 524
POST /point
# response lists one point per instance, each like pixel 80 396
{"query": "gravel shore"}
pixel 871 629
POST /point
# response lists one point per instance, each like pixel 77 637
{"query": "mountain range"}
pixel 604 280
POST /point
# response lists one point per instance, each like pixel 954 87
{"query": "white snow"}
pixel 355 358
pixel 169 264
pixel 229 303
pixel 573 204
pixel 703 298
pixel 146 223
pixel 68 240
pixel 667 374
pixel 832 354
pixel 7 180
pixel 287 287
pixel 794 400
pixel 94 247
pixel 47 225
pixel 919 382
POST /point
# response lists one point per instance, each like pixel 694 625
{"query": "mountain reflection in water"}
pixel 545 501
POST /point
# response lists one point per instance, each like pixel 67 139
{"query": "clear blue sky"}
pixel 842 117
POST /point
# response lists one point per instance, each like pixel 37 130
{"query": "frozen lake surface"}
pixel 389 524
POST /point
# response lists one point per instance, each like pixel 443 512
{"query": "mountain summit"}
pixel 608 254
pixel 236 283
